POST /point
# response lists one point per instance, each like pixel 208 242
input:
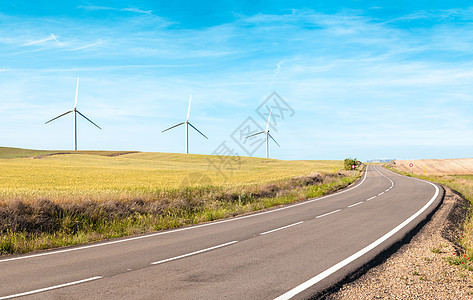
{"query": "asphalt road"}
pixel 293 251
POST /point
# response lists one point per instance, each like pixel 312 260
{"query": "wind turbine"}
pixel 75 111
pixel 187 123
pixel 268 135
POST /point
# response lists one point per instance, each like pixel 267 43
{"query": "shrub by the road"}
pixel 349 162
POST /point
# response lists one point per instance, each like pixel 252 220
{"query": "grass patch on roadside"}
pixel 461 261
pixel 436 250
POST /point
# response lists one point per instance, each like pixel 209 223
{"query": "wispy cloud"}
pixel 98 69
pixel 275 76
pixel 95 44
pixel 127 9
pixel 51 37
pixel 137 10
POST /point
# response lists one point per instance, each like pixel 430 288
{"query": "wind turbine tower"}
pixel 75 111
pixel 187 124
pixel 268 135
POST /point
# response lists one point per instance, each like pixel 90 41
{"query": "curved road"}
pixel 292 251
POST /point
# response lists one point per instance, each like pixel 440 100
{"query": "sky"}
pixel 365 79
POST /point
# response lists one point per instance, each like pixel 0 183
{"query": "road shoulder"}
pixel 419 269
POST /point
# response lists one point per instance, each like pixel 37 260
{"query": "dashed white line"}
pixel 50 288
pixel 332 212
pixel 305 285
pixel 193 253
pixel 358 203
pixel 387 190
pixel 371 198
pixel 380 193
pixel 280 228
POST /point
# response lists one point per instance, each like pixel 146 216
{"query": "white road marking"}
pixel 193 253
pixel 183 229
pixel 50 288
pixel 380 193
pixel 332 212
pixel 302 287
pixel 358 203
pixel 392 182
pixel 371 198
pixel 387 190
pixel 280 228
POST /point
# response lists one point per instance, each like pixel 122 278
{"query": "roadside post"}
pixel 412 168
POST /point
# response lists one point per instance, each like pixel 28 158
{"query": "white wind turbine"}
pixel 187 123
pixel 268 135
pixel 75 111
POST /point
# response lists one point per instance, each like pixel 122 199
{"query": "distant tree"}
pixel 348 162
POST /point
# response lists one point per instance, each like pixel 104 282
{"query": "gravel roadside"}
pixel 419 270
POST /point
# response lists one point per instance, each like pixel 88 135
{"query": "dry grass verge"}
pixel 426 267
pixel 463 184
pixel 42 224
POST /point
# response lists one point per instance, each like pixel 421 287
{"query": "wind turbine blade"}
pixel 255 134
pixel 58 117
pixel 269 118
pixel 273 139
pixel 88 119
pixel 197 130
pixel 77 92
pixel 173 127
pixel 189 109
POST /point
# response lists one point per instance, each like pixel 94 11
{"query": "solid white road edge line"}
pixel 193 253
pixel 50 288
pixel 300 288
pixel 185 228
pixel 332 212
pixel 358 203
pixel 280 228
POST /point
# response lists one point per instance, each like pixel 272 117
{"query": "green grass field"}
pixel 6 153
pixel 98 176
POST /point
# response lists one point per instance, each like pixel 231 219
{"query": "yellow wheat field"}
pixel 436 166
pixel 71 177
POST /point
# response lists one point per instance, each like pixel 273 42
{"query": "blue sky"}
pixel 366 79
